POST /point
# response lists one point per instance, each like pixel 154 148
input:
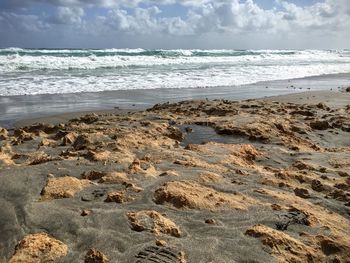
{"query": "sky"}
pixel 168 24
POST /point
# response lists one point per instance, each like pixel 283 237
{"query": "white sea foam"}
pixel 37 71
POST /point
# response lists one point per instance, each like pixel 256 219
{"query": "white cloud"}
pixel 203 17
pixel 21 23
pixel 68 16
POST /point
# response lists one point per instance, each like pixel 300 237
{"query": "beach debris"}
pixel 37 248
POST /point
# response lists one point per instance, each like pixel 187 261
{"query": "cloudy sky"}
pixel 237 24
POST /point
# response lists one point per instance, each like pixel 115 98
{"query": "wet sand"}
pixel 263 180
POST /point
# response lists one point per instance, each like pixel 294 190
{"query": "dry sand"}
pixel 196 181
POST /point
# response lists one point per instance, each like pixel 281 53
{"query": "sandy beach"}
pixel 258 180
pixel 176 131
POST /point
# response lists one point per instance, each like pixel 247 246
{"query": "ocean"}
pixel 59 71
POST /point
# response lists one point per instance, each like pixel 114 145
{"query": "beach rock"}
pixel 3 134
pixel 22 135
pixel 114 178
pixel 347 89
pixel 47 143
pixel 322 106
pixel 342 186
pixel 132 187
pixel 276 207
pixel 6 158
pixel 175 134
pixel 82 142
pixel 306 113
pixel 41 127
pixel 300 165
pixel 38 248
pixel 192 147
pixel 317 186
pixel 40 158
pixel 190 194
pixel 249 152
pixel 95 256
pixel 339 195
pixel 153 222
pixel 332 246
pixel 301 192
pixel 98 156
pixel 208 177
pixel 69 138
pixel 93 175
pixel 118 197
pixel 142 167
pixel 300 128
pixel 320 125
pixel 343 174
pixel 63 187
pixel 89 118
pixel 292 218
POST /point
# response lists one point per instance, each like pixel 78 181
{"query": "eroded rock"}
pixel 63 187
pixel 153 222
pixel 95 256
pixel 38 248
pixel 190 194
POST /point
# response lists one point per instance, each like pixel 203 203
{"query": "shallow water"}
pixel 202 134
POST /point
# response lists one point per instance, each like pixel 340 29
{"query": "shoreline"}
pixel 334 98
pixel 15 109
pixel 268 177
